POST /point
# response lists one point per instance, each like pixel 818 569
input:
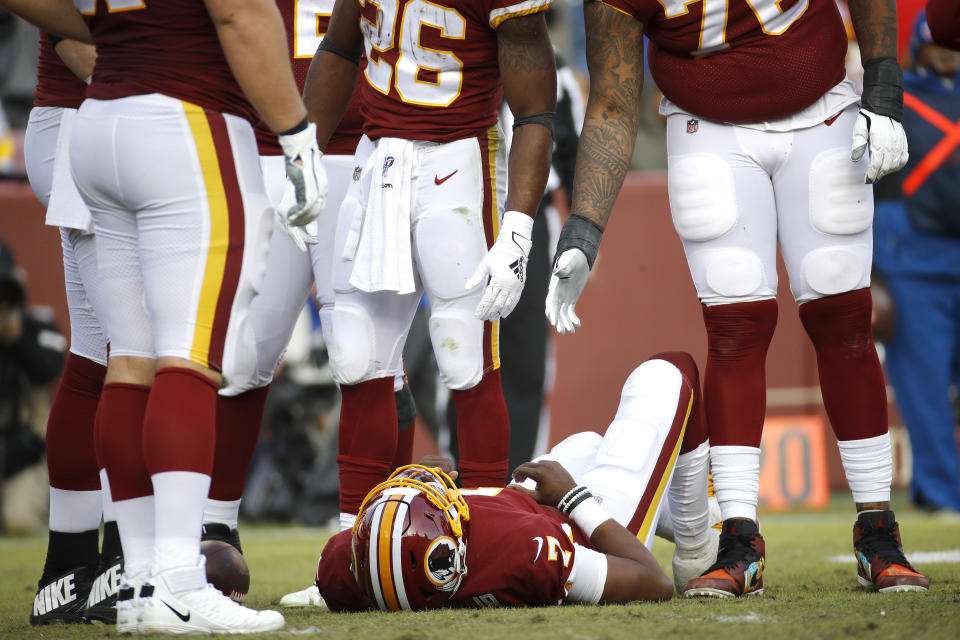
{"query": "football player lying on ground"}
pixel 575 528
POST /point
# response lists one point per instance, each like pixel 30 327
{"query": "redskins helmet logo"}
pixel 440 563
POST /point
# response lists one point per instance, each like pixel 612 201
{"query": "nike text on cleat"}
pixel 102 601
pixel 738 570
pixel 182 602
pixel 62 598
pixel 881 565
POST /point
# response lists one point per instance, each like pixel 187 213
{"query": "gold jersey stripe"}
pixel 493 146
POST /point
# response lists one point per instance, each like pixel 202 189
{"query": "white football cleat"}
pixel 309 597
pixel 179 601
pixel 691 563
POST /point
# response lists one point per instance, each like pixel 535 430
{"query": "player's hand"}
pixel 301 236
pixel 887 143
pixel 305 171
pixel 443 463
pixel 506 264
pixel 567 283
pixel 553 481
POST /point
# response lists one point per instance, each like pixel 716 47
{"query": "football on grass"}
pixel 226 569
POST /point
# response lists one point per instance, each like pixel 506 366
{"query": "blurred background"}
pixel 641 301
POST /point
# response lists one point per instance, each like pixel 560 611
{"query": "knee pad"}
pixel 650 393
pixel 457 339
pixel 629 444
pixel 831 270
pixel 840 202
pixel 702 196
pixel 733 273
pixel 450 243
pixel 352 345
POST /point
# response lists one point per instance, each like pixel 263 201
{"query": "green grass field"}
pixel 807 595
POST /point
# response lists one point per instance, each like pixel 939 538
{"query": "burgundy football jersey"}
pixel 432 71
pixel 57 86
pixel 161 46
pixel 943 17
pixel 306 23
pixel 742 60
pixel 519 554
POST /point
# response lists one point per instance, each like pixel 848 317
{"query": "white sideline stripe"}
pixel 920 557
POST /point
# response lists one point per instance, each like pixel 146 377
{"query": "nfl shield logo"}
pixel 387 163
pixel 356 174
pixel 693 125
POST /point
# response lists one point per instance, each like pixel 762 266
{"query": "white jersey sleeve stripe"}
pixel 497 16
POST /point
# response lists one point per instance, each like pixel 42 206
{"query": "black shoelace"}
pixel 883 544
pixel 732 550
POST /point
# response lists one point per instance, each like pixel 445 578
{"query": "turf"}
pixel 806 594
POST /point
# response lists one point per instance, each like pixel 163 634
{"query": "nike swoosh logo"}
pixel 830 121
pixel 439 181
pixel 185 618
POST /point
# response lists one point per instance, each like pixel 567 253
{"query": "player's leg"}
pixel 825 217
pixel 273 313
pixel 921 361
pixel 454 223
pixel 723 209
pixel 75 503
pixel 200 249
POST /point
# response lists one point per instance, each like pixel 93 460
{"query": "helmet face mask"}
pixel 408 547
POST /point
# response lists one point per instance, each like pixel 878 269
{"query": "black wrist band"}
pixel 544 118
pixel 883 87
pixel 297 129
pixel 351 57
pixel 565 501
pixel 573 504
pixel 579 233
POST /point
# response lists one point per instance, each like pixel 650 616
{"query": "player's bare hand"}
pixel 443 463
pixel 886 141
pixel 566 284
pixel 506 265
pixel 553 481
pixel 305 171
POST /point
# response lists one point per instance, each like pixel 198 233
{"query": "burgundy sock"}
pixel 406 420
pixel 367 439
pixel 71 454
pixel 238 428
pixel 734 384
pixel 483 431
pixel 119 439
pixel 696 430
pixel 851 379
pixel 179 428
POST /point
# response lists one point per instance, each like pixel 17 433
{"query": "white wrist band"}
pixel 588 515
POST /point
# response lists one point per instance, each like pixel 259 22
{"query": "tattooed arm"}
pixel 875 23
pixel 615 60
pixel 529 76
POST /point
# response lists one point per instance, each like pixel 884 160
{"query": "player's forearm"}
pixel 529 76
pixel 79 57
pixel 632 572
pixel 875 25
pixel 330 85
pixel 254 42
pixel 55 16
pixel 615 59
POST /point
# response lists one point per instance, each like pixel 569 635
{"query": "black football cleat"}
pixel 220 531
pixel 102 601
pixel 62 598
pixel 738 570
pixel 881 565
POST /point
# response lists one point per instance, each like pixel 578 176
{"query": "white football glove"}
pixel 887 142
pixel 566 284
pixel 506 264
pixel 305 171
pixel 301 236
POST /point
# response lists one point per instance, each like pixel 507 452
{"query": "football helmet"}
pixel 408 545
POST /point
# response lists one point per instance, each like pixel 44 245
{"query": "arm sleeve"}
pixel 588 576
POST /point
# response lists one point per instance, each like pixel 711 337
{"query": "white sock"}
pixel 223 511
pixel 687 498
pixel 736 480
pixel 180 497
pixel 74 511
pixel 347 520
pixel 109 513
pixel 868 464
pixel 135 523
